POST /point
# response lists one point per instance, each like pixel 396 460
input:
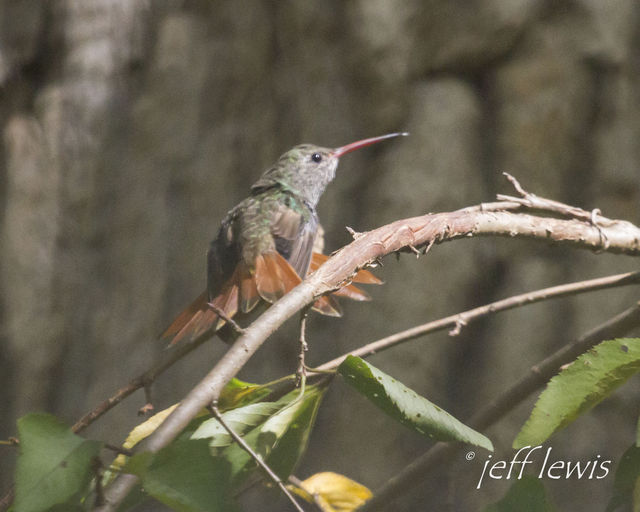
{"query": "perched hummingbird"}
pixel 265 245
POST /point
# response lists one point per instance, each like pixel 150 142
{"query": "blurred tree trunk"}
pixel 131 126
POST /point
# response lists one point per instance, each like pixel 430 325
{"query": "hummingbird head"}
pixel 306 170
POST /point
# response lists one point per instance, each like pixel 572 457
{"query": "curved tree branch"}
pixel 616 236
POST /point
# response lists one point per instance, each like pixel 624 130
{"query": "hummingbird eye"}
pixel 316 157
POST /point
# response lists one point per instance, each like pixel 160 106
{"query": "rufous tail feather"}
pixel 271 278
pixel 196 318
pixel 350 291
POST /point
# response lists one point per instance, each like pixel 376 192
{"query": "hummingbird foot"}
pixel 225 318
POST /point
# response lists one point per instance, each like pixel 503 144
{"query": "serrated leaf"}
pixel 587 381
pixel 333 492
pixel 626 484
pixel 525 494
pixel 54 465
pixel 406 406
pixel 185 477
pixel 280 439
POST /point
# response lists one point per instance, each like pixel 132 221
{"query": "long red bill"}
pixel 365 142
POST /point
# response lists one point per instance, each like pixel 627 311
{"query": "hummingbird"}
pixel 269 242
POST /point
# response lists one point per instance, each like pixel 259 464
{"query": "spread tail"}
pixel 271 278
pixel 195 320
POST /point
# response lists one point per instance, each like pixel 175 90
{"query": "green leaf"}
pixel 293 442
pixel 525 494
pixel 185 477
pixel 588 380
pixel 54 465
pixel 238 393
pixel 406 406
pixel 280 439
pixel 626 482
pixel 141 432
pixel 240 420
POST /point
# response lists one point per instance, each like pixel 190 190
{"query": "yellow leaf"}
pixel 146 428
pixel 333 492
pixel 141 432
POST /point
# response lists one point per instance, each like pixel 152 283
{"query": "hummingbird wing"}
pixel 293 228
pixel 252 259
pixel 281 264
pixel 223 254
pixel 225 283
pixel 294 231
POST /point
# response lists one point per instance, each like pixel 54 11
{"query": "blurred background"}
pixel 130 127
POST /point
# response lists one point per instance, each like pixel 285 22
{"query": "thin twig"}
pixel 459 320
pixel 213 408
pixel 301 373
pixel 536 377
pixel 516 185
pixel 139 382
pixel 148 406
pixel 295 481
pixel 533 201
